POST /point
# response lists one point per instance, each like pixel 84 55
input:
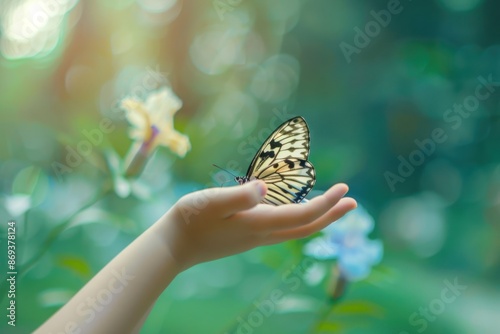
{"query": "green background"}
pixel 237 65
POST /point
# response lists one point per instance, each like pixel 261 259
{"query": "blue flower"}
pixel 347 241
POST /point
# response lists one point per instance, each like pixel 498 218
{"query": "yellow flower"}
pixel 152 124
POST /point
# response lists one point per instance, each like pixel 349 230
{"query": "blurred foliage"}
pixel 240 68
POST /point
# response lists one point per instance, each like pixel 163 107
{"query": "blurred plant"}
pixel 152 124
pixel 16 205
pixel 346 241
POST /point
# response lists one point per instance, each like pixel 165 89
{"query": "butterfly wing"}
pixel 282 163
pixel 288 181
pixel 289 140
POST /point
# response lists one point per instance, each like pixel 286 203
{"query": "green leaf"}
pixel 358 308
pixel 76 265
pixel 382 274
pixel 334 327
pixel 26 180
pixel 33 182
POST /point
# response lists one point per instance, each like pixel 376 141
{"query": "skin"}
pixel 202 226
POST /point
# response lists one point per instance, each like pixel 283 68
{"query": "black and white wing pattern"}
pixel 282 164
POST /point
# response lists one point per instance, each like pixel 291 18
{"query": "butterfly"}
pixel 281 162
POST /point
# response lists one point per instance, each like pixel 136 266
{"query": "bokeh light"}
pixel 32 28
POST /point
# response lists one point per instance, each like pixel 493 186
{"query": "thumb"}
pixel 244 197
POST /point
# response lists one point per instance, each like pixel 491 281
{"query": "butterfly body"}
pixel 282 163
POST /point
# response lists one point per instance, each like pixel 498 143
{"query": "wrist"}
pixel 168 230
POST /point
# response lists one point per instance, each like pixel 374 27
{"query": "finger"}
pixel 343 206
pixel 238 198
pixel 294 215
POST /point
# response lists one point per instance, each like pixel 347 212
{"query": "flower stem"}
pixel 336 288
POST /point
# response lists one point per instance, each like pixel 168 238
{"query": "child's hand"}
pixel 218 222
pixel 202 226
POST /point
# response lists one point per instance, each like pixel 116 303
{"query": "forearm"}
pixel 227 222
pixel 118 297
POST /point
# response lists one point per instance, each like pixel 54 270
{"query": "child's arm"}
pixel 201 226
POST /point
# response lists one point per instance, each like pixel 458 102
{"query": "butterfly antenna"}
pixel 225 170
